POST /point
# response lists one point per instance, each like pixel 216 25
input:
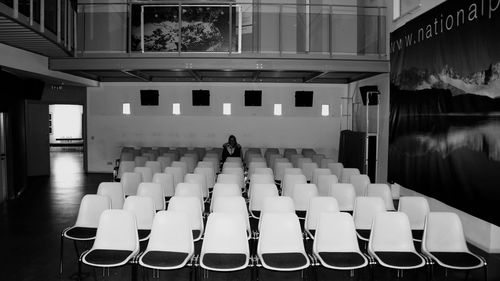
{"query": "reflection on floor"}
pixel 30 228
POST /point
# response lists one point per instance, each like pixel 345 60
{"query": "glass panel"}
pixel 36 11
pixel 247 28
pixel 9 3
pixel 51 15
pixel 344 30
pixel 319 31
pixel 161 29
pixel 292 29
pixel 269 29
pixel 103 28
pixel 64 22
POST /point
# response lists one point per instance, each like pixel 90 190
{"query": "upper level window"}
pixel 403 7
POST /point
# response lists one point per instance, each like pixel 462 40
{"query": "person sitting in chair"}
pixel 231 149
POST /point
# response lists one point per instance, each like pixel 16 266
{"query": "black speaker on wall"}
pixel 303 98
pixel 201 97
pixel 369 94
pixel 253 98
pixel 149 97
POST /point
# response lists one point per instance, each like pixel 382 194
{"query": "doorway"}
pixel 66 141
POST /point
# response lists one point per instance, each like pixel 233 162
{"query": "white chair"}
pixel 125 166
pixel 316 158
pixel 113 190
pixel 224 189
pixel 360 183
pixel 199 179
pixel 383 191
pixel 324 184
pixel 208 172
pixel 165 161
pixel 345 195
pixel 232 205
pixel 444 242
pixel 231 178
pixel 146 173
pixel 190 190
pixel 365 209
pixel 225 246
pixel 193 209
pixel 308 169
pixel 85 227
pixel 277 204
pixel 235 171
pixel 279 168
pixel 167 183
pixel 177 173
pixel 336 168
pixel 140 161
pixel 280 246
pixel 116 241
pixel 289 182
pixel 253 165
pixel 319 172
pixel 261 178
pixel 257 193
pixel 181 164
pixel 155 166
pixel 335 244
pixel 325 162
pixel 190 161
pixel 417 209
pixel 154 191
pixel 318 205
pixel 301 195
pixel 170 244
pixel 391 243
pixel 143 209
pixel 347 173
pixel 264 171
pixel 130 182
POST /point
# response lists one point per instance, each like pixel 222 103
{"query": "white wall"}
pixel 109 130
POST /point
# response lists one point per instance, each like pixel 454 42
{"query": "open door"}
pixel 37 139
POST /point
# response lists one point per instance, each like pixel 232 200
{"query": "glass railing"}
pixel 56 19
pixel 229 28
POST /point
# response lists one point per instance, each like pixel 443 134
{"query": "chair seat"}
pixel 455 259
pixel 224 261
pixel 143 234
pixel 81 233
pixel 285 260
pixel 347 259
pixel 364 233
pixel 107 257
pixel 164 258
pixel 400 259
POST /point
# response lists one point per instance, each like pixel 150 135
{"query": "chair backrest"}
pixel 319 172
pixel 335 232
pixel 171 231
pixel 174 156
pixel 325 162
pixel 146 173
pixel 443 232
pixel 277 204
pixel 214 160
pixel 279 168
pixel 208 172
pixel 140 161
pixel 336 168
pixel 391 232
pixel 130 181
pixel 91 208
pixel 231 164
pixel 125 166
pixel 226 189
pixel 416 208
pixel 230 178
pixel 289 182
pixel 325 183
pixel 193 209
pixel 360 183
pixel 316 158
pixel 114 190
pixel 200 179
pixel 155 166
pixel 190 161
pixel 308 152
pixel 318 205
pixel 185 189
pixel 302 194
pixel 117 230
pixel 182 164
pixel 308 169
pixel 288 152
pixel 294 158
pixel 260 191
pixel 345 195
pixel 165 161
pixel 264 171
pixel 292 171
pixel 177 173
pixel 127 156
pixel 383 191
pixel 232 205
pixel 225 233
pixel 154 191
pixel 347 173
pixel 143 209
pixel 232 159
pixel 365 209
pixel 235 171
pixel 167 183
pixel 280 233
pixel 303 160
pixel 261 178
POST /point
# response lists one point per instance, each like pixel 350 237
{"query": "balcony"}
pixel 236 41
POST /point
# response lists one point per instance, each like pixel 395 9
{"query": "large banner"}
pixel 445 106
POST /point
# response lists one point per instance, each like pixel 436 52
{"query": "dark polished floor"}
pixel 30 228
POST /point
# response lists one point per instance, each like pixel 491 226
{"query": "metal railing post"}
pixel 230 28
pixel 180 30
